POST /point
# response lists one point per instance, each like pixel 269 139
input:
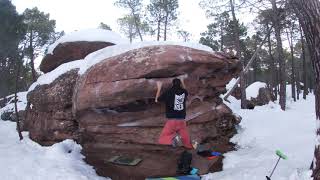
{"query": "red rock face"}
pixel 70 51
pixel 132 76
pixel 110 110
pixel 114 105
pixel 49 118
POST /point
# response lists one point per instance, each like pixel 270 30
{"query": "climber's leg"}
pixel 184 133
pixel 168 132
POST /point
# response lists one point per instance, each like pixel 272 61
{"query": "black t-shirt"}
pixel 175 100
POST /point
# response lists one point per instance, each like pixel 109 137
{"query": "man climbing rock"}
pixel 176 126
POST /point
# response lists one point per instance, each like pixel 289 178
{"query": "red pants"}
pixel 171 128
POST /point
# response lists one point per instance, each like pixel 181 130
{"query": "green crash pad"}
pixel 125 160
pixel 188 177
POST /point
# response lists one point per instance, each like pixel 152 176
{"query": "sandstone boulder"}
pixel 70 51
pixel 49 117
pixel 110 109
pixel 114 106
pixel 131 76
pixel 3 102
pixel 6 116
pixel 264 97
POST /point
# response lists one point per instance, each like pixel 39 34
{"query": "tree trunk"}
pixel 31 51
pixel 311 84
pixel 277 28
pixel 138 27
pixel 238 55
pixel 34 76
pixel 298 85
pixel 304 65
pixel 255 63
pixel 309 17
pixel 130 33
pixel 246 69
pixel 135 21
pixel 221 38
pixel 272 67
pixel 165 27
pixel 293 81
pixel 130 37
pixel 158 36
pixel 16 101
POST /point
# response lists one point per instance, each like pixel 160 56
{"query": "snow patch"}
pixel 115 50
pixel 132 124
pixel 21 104
pixel 231 83
pixel 102 54
pixel 100 35
pixel 252 91
pixel 52 75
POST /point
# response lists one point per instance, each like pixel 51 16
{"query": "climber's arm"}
pixel 159 85
pixel 183 84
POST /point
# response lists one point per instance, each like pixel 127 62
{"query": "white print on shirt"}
pixel 178 102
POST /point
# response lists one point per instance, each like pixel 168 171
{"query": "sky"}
pixel 73 15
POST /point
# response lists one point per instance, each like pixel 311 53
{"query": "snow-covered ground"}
pixel 261 132
pixel 265 130
pixel 28 160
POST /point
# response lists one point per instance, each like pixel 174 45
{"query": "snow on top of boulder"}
pixel 52 75
pixel 89 35
pixel 115 50
pixel 252 91
pixel 102 54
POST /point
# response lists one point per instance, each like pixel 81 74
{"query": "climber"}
pixel 176 126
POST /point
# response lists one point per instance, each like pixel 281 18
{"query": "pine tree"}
pixel 161 14
pixel 135 7
pixel 104 26
pixel 11 34
pixel 265 19
pixel 302 39
pixel 185 35
pixel 209 38
pixel 219 35
pixel 213 8
pixel 155 16
pixel 276 19
pixel 39 31
pixel 170 8
pixel 291 31
pixel 309 18
pixel 129 28
pixel 216 35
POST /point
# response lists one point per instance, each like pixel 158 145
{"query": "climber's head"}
pixel 176 83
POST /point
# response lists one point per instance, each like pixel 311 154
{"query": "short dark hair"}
pixel 176 82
